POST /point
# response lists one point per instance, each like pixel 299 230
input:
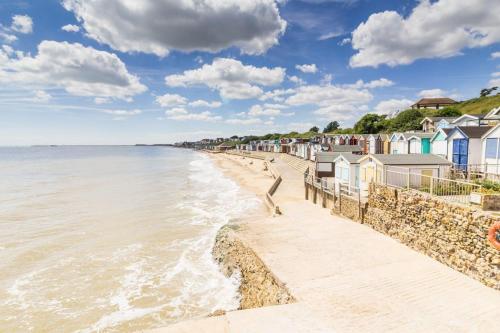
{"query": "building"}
pixel 433 103
pixel 325 166
pixel 432 124
pixel 492 118
pixel 464 145
pixel 490 151
pixel 399 143
pixel 468 120
pixel 394 169
pixel 347 171
pixel 419 143
pixel 439 142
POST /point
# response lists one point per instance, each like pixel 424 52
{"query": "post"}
pixel 431 191
pixel 408 180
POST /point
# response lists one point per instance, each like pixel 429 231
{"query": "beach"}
pixel 341 276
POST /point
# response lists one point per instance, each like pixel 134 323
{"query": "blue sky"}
pixel 160 71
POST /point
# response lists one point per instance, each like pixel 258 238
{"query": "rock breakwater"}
pixel 259 287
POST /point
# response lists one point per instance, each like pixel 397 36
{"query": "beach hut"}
pixel 419 143
pixel 346 149
pixel 374 144
pixel 492 118
pixel 439 143
pixel 325 166
pixel 392 169
pixel 468 120
pixel 432 124
pixel 490 151
pixel 464 145
pixel 399 144
pixel 363 142
pixel 385 141
pixel 347 171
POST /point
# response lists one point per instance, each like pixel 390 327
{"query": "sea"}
pixel 112 238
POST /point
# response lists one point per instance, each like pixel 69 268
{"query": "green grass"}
pixel 479 105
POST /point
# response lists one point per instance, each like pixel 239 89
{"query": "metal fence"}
pixel 449 189
pixel 476 172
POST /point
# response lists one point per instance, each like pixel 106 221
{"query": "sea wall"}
pixel 349 207
pixel 453 234
pixel 259 287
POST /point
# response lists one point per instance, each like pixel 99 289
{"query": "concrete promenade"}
pixel 347 277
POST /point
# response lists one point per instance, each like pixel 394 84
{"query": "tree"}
pixel 332 126
pixel 448 112
pixel 487 91
pixel 370 124
pixel 314 129
pixel 408 120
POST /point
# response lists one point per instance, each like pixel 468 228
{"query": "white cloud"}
pixel 182 114
pixel 101 100
pixel 123 113
pixel 296 80
pixel 81 71
pixel 332 102
pixel 22 24
pixel 70 28
pixel 168 100
pixel 495 55
pixel 433 30
pixel 495 81
pixel 249 121
pixel 258 110
pixel 341 112
pixel 41 96
pixel 230 77
pixel 275 106
pixel 345 41
pixel 326 79
pixel 392 105
pixel 307 68
pixel 383 82
pixel 430 93
pixel 6 37
pixel 153 26
pixel 202 103
pixel 276 95
pixel 330 35
pixel 329 94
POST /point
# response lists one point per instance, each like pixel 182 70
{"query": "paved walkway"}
pixel 347 277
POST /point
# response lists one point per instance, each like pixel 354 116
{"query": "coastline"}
pixel 258 285
pixel 339 275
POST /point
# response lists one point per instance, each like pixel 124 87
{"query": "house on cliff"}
pixel 433 103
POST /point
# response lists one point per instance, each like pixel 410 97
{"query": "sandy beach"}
pixel 344 276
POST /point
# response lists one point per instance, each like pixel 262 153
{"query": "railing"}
pixel 448 189
pixel 476 172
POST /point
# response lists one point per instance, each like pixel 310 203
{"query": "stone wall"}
pixel 453 234
pixel 259 287
pixel 349 207
pixel 491 202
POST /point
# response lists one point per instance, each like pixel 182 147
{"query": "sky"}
pixel 162 71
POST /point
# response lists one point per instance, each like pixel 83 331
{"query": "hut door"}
pixel 460 153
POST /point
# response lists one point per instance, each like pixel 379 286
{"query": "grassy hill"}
pixel 479 105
